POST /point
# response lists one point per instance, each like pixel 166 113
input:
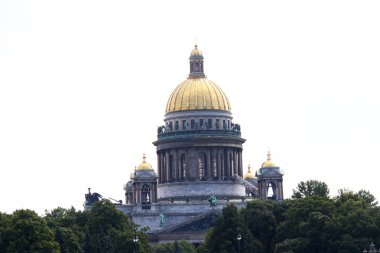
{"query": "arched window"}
pixel 145 194
pixel 183 167
pixel 202 166
pixel 271 191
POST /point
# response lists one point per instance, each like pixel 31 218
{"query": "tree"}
pixel 29 233
pixel 310 188
pixel 5 221
pixel 173 247
pixel 368 197
pixel 223 237
pixel 69 227
pixel 305 228
pixel 261 221
pixel 110 231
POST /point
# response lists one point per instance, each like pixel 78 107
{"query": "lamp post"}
pixel 135 240
pixel 238 237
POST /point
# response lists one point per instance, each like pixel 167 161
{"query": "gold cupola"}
pixel 196 52
pixel 197 92
pixel 268 163
pixel 249 174
pixel 144 165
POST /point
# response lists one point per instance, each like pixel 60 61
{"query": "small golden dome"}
pixel 196 51
pixel 144 165
pixel 249 174
pixel 197 94
pixel 268 163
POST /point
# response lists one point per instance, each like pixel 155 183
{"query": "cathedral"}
pixel 199 165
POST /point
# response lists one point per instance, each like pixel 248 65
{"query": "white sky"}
pixel 84 84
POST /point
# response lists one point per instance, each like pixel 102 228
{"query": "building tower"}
pixel 199 148
pixel 250 177
pixel 142 188
pixel 269 180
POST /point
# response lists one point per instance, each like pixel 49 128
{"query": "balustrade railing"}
pixel 185 133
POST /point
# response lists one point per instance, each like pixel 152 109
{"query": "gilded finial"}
pixel 144 158
pixel 249 168
pixel 269 156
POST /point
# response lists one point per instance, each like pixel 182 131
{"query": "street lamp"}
pixel 135 240
pixel 238 237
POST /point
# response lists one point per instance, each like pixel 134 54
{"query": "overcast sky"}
pixel 84 85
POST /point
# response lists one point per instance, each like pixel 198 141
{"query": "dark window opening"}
pixel 145 192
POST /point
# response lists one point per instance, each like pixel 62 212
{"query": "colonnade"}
pixel 195 164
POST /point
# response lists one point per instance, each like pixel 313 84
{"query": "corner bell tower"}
pixel 269 179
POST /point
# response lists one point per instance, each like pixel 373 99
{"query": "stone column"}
pixel 187 167
pixel 240 163
pixel 177 167
pixel 162 169
pixel 159 167
pixel 281 190
pixel 138 193
pixel 219 164
pixel 134 195
pixel 228 169
pixel 167 166
pixel 236 168
pixel 209 162
pixel 196 164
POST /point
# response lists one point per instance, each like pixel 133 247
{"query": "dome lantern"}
pixel 197 92
pixel 196 63
pixel 144 165
pixel 268 163
pixel 249 174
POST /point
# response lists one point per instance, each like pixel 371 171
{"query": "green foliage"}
pixel 69 228
pixel 173 247
pixel 309 222
pixel 28 233
pixel 5 223
pixel 102 229
pixel 260 220
pixel 223 237
pixel 311 188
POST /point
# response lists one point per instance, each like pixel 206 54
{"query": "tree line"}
pixel 310 221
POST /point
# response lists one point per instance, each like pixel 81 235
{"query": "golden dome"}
pixel 268 163
pixel 249 174
pixel 196 51
pixel 144 165
pixel 197 94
